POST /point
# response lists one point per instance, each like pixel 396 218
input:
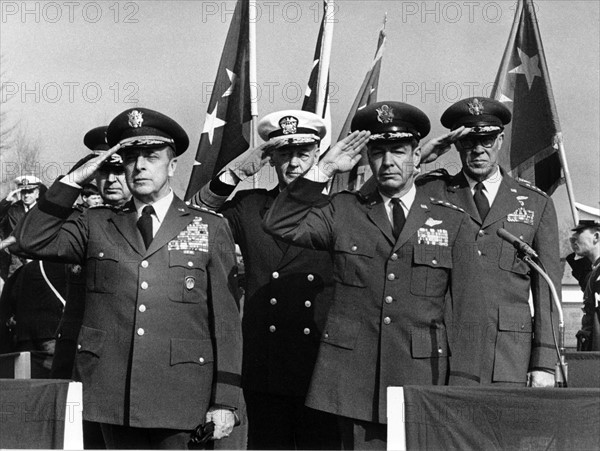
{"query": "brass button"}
pixel 273 301
pixel 434 261
pixel 101 254
pixel 481 233
pixel 190 264
pixel 142 308
pixel 307 304
pixel 140 331
pixel 388 299
pixel 326 335
pixel 479 252
pixel 440 351
pixel 387 320
pixel 391 276
pixel 275 275
pixel 272 328
pixel 306 331
pixel 394 257
pixel 310 277
pixel 354 248
pixel 78 346
pixel 201 360
pixel 144 264
pixel 144 285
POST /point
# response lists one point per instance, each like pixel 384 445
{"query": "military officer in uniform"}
pixel 110 180
pixel 586 243
pixel 288 289
pixel 400 255
pixel 518 347
pixel 159 351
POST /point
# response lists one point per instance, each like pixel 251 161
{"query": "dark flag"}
pixel 367 94
pixel 316 97
pixel 533 137
pixel 226 131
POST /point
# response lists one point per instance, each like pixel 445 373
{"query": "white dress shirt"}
pixel 161 207
pixel 491 184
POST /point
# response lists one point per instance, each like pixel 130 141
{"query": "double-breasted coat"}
pixel 389 324
pixel 289 291
pixel 515 343
pixel 161 336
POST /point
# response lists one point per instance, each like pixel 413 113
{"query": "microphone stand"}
pixel 560 372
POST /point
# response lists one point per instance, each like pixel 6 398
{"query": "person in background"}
pixel 586 243
pixel 90 196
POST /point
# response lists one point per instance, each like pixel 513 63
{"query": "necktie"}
pixel 481 201
pixel 397 216
pixel 145 224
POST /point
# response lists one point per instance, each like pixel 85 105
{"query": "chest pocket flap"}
pixel 102 271
pixel 353 259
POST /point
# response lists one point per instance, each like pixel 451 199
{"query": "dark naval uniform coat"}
pixel 161 339
pixel 288 293
pixel 515 344
pixel 387 325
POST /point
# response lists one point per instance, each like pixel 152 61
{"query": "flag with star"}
pixel 533 138
pixel 316 97
pixel 226 131
pixel 367 94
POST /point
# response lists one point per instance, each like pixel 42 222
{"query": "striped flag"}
pixel 226 131
pixel 367 94
pixel 533 138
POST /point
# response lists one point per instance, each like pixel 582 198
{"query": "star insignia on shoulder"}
pixel 204 209
pixel 445 204
pixel 531 186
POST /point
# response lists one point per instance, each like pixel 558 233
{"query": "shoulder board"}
pixel 437 174
pixel 203 209
pixel 531 186
pixel 444 203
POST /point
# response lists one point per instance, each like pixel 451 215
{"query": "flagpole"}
pixel 323 78
pixel 253 78
pixel 563 161
pixel 558 138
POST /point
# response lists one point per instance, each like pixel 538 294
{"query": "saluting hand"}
pixel 252 160
pixel 436 147
pixel 344 155
pixel 85 169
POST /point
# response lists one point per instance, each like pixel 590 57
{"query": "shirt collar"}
pixel 491 184
pixel 406 200
pixel 161 206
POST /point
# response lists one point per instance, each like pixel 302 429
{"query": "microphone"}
pixel 517 243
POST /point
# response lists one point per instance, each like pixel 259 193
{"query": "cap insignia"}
pixel 135 119
pixel 476 107
pixel 385 114
pixel 289 125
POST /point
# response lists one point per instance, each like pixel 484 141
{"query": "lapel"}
pixel 125 222
pixel 269 199
pixel 177 218
pixel 376 211
pixel 505 202
pixel 417 216
pixel 459 193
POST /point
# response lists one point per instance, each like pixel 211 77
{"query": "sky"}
pixel 69 66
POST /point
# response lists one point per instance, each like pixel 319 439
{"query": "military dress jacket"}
pixel 288 289
pixel 515 344
pixel 161 334
pixel 389 324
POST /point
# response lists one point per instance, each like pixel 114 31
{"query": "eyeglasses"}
pixel 470 142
